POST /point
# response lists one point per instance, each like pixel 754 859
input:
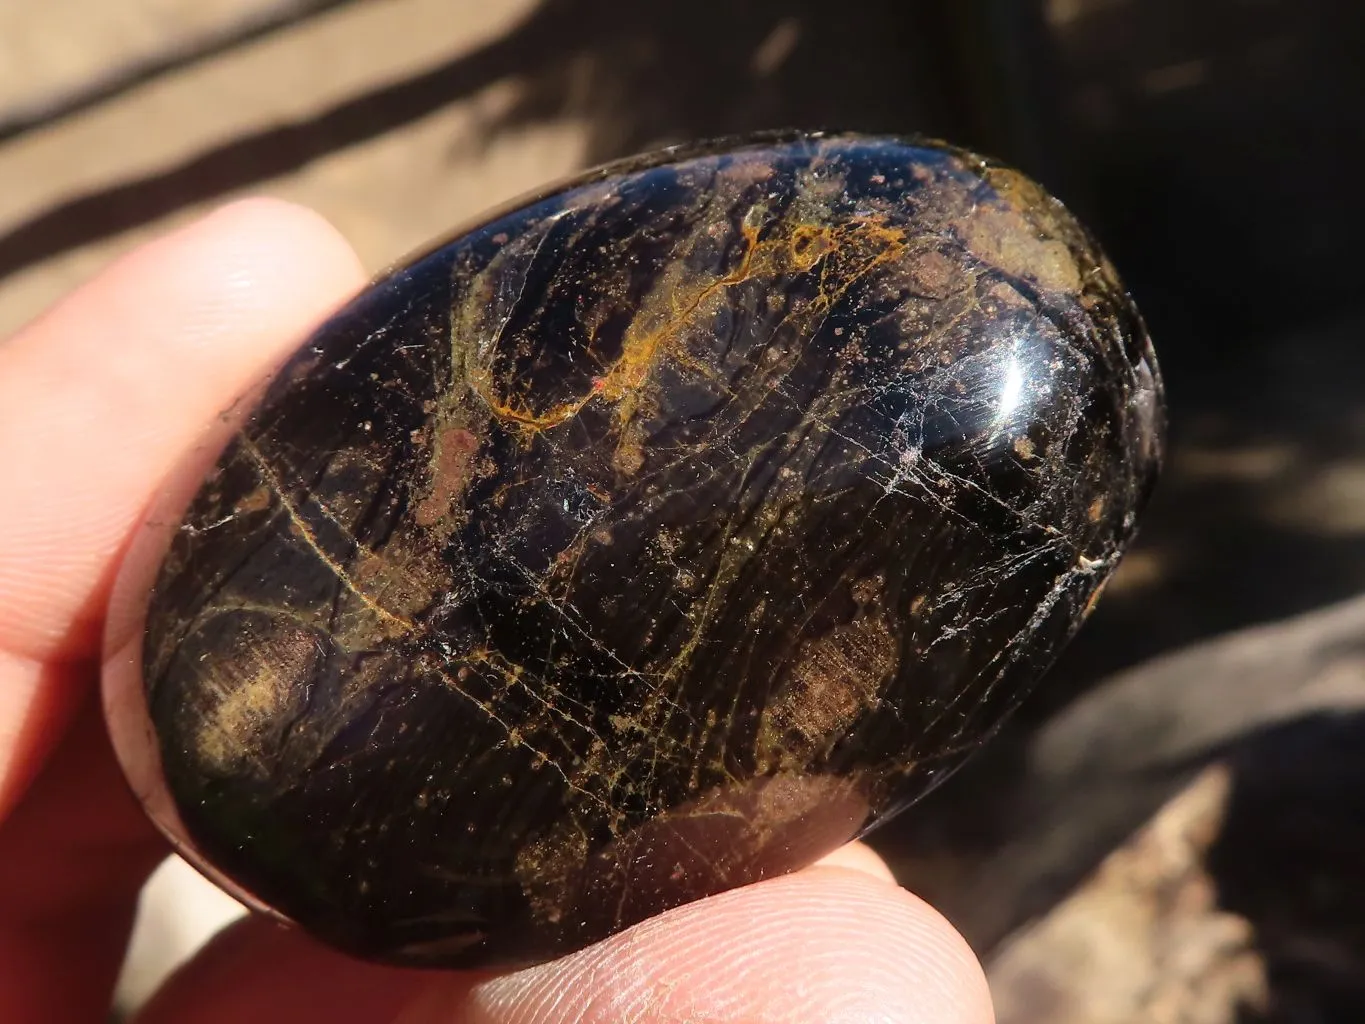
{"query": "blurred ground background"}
pixel 1173 828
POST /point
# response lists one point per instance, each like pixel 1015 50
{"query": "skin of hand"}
pixel 99 399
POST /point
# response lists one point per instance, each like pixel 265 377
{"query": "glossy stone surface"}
pixel 657 536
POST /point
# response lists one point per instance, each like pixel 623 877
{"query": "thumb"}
pixel 837 942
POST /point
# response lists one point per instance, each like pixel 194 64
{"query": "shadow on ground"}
pixel 1298 802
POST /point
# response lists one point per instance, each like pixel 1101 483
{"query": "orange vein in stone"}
pixel 630 370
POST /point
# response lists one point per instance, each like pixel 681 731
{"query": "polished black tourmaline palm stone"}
pixel 652 538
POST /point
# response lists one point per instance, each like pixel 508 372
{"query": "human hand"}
pixel 99 399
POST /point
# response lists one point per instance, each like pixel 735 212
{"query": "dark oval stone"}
pixel 656 536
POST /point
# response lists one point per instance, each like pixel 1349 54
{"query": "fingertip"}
pixel 257 212
pixel 103 394
pixel 264 223
pixel 280 236
pixel 859 857
pixel 257 271
pixel 827 944
pixel 101 397
pixel 255 970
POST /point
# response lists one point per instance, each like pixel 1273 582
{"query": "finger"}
pixel 256 971
pixel 826 944
pixel 836 942
pixel 98 400
pixel 100 397
pixel 73 856
pixel 859 857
